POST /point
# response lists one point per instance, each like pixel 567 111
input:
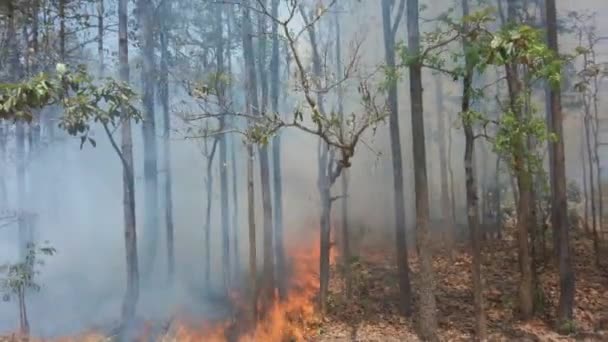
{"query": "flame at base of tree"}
pixel 286 319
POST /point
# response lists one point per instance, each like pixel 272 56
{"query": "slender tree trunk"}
pixel 598 164
pixel 324 187
pixel 346 252
pixel 100 22
pixel 3 172
pixel 253 109
pixel 324 183
pixel 276 157
pixel 559 205
pixel 269 276
pixel 471 190
pixel 428 306
pixel 498 199
pixel 24 324
pixel 584 164
pixel 405 290
pixel 451 174
pixel 145 8
pixel 592 185
pixel 132 293
pixel 252 234
pixel 447 222
pixel 166 161
pixel 62 32
pixel 233 161
pixel 223 149
pixel 524 186
pixel 210 155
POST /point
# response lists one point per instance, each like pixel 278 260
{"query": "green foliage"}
pixel 16 278
pixel 84 102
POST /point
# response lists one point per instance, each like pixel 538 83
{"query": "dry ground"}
pixel 372 313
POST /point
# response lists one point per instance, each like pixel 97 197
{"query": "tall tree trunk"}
pixel 598 164
pixel 524 186
pixel 559 205
pixel 100 22
pixel 62 32
pixel 497 205
pixel 146 8
pixel 233 161
pixel 405 290
pixel 269 276
pixel 428 306
pixel 166 161
pixel 252 234
pixel 210 155
pixel 276 157
pixel 592 183
pixel 471 189
pixel 253 109
pixel 223 149
pixel 132 293
pixel 451 174
pixel 584 163
pixel 447 222
pixel 346 253
pixel 324 183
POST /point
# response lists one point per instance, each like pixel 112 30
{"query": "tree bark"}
pixel 166 141
pixel 223 149
pixel 405 290
pixel 253 109
pixel 524 186
pixel 428 306
pixel 559 205
pixel 276 157
pixel 129 304
pixel 471 190
pixel 346 252
pixel 447 222
pixel 268 285
pixel 145 8
pixel 584 163
pixel 210 156
pixel 100 22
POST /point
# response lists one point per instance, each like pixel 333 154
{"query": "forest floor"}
pixel 372 313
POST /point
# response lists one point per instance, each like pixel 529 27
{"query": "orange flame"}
pixel 284 318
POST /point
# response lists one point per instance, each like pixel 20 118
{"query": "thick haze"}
pixel 78 195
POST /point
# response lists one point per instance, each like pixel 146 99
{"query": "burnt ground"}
pixel 372 313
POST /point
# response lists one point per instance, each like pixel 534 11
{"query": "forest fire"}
pixel 285 319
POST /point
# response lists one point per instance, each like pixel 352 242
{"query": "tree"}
pixel 268 284
pixel 129 305
pixel 163 92
pixel 146 39
pixel 276 157
pixel 428 315
pixel 251 109
pixel 220 87
pixel 20 277
pixel 471 182
pixel 390 30
pixel 559 205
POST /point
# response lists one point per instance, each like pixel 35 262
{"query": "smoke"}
pixel 77 195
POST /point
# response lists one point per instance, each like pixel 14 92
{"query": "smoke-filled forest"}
pixel 303 170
